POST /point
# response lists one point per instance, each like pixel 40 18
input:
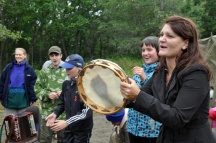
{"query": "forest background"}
pixel 95 29
pixel 104 29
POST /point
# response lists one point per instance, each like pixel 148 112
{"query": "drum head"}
pixel 99 86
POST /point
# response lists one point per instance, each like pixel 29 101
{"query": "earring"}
pixel 184 47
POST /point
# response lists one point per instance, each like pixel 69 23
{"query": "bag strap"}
pixel 10 130
pixel 1 131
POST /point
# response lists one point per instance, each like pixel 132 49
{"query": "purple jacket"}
pixel 30 78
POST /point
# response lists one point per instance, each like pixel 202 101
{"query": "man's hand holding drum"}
pixel 129 91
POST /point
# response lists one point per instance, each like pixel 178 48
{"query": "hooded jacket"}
pixel 30 78
pixel 78 115
pixel 140 124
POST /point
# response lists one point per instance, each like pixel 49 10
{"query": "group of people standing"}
pixel 55 87
pixel 168 96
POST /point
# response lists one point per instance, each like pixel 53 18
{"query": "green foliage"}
pixel 208 20
pixel 5 33
pixel 123 24
pixel 192 9
pixel 91 28
pixel 127 63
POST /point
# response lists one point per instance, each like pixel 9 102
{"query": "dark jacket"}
pixel 30 79
pixel 79 116
pixel 182 107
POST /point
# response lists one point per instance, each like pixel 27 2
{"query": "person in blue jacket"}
pixel 17 84
pixel 142 128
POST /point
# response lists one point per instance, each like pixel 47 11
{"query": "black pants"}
pixel 76 137
pixel 136 139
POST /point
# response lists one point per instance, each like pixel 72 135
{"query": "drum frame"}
pixel 104 64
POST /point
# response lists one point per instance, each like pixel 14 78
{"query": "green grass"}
pixel 1 107
pixel 127 64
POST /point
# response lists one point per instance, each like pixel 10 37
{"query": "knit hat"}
pixel 116 117
pixel 54 49
pixel 73 60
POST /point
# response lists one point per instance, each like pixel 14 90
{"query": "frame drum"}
pixel 99 86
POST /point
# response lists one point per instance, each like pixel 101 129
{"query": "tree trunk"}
pixel 64 52
pixel 1 54
pixel 77 41
pixel 162 5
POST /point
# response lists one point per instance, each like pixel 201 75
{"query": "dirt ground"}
pixel 100 133
pixel 101 130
